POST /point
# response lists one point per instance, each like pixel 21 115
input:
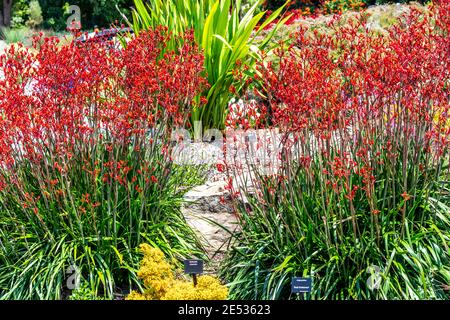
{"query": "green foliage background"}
pixel 99 13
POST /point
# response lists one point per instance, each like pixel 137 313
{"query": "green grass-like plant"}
pixel 230 39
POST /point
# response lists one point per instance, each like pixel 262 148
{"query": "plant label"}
pixel 193 266
pixel 301 285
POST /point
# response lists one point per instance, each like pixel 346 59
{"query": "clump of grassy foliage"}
pixel 362 191
pixel 86 167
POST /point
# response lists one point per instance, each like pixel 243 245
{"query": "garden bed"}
pixel 318 149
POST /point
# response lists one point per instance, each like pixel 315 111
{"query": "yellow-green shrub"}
pixel 160 283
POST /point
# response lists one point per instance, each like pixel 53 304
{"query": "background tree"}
pixel 5 13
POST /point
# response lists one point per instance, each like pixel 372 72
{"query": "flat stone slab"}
pixel 215 229
pixel 216 188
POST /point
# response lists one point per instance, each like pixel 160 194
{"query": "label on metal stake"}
pixel 301 285
pixel 193 266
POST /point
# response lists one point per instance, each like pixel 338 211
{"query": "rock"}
pixel 210 197
pixel 3 46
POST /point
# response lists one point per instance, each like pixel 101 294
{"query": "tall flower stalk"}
pixel 86 171
pixel 364 174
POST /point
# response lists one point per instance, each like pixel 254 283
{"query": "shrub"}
pixel 363 182
pixel 20 11
pixel 86 173
pixel 160 282
pixel 35 15
pixel 337 6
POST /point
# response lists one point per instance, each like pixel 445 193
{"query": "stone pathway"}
pixel 208 212
pixel 208 209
